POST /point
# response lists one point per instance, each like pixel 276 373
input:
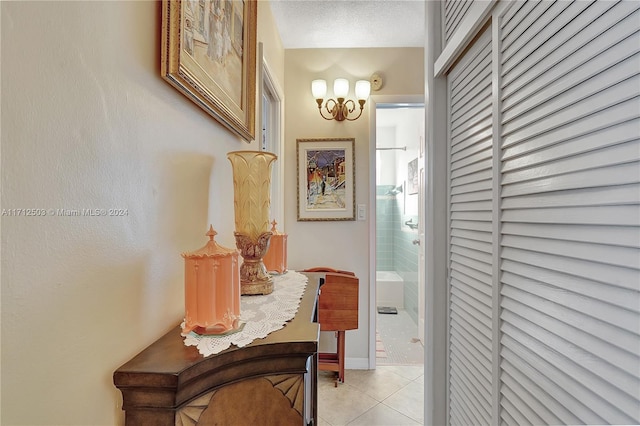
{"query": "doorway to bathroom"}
pixel 399 313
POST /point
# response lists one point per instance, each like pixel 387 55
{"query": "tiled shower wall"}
pixel 387 219
pixel 395 250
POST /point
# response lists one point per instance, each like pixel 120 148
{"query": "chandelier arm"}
pixel 353 105
pixel 333 103
pixel 326 105
pixel 361 102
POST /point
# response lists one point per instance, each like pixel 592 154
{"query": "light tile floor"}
pixel 399 340
pixel 390 395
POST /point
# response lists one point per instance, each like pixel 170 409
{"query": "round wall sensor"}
pixel 376 82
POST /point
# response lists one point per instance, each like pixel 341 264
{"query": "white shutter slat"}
pixel 468 276
pixel 570 216
pixel 533 23
pixel 472 168
pixel 478 133
pixel 619 236
pixel 467 403
pixel 474 289
pixel 475 113
pixel 468 348
pixel 540 365
pixel 475 206
pixel 595 73
pixel 550 410
pixel 472 256
pixel 473 177
pixel 464 78
pixel 611 255
pixel 624 278
pixel 470 197
pixel 624 323
pixel 546 134
pixel 470 241
pixel 468 355
pixel 551 35
pixel 458 417
pixel 469 88
pixel 471 215
pixel 543 251
pixel 470 263
pixel 465 385
pixel 471 187
pixel 625 299
pixel 585 44
pixel 519 409
pixel 471 225
pixel 471 235
pixel 473 273
pixel 506 418
pixel 596 140
pixel 464 295
pixel 624 174
pixel 579 381
pixel 513 16
pixel 616 345
pixel 614 155
pixel 472 244
pixel 455 12
pixel 476 149
pixel 601 215
pixel 451 10
pixel 554 115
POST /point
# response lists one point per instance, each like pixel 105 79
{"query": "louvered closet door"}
pixel 470 250
pixel 454 13
pixel 570 213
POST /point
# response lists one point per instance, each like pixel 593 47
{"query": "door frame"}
pixel 268 87
pixel 373 101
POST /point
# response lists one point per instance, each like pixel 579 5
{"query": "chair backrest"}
pixel 338 302
pixel 327 269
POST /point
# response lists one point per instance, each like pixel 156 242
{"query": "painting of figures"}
pixel 215 41
pixel 208 53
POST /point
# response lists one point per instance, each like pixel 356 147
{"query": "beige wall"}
pixel 87 122
pixel 341 245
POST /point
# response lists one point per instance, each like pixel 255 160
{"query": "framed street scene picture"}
pixel 326 179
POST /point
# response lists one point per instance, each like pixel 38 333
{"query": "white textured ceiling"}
pixel 349 23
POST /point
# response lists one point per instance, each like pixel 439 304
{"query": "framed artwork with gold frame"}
pixel 209 55
pixel 326 179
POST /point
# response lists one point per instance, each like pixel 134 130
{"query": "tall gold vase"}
pixel 251 204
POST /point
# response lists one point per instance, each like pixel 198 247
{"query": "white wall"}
pixel 408 126
pixel 87 122
pixel 386 138
pixel 344 244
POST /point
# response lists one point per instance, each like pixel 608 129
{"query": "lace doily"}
pixel 261 315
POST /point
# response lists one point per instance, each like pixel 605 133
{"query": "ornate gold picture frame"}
pixel 326 179
pixel 209 54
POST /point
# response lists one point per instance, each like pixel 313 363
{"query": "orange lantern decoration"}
pixel 212 289
pixel 276 258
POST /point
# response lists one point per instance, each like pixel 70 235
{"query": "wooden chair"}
pixel 337 311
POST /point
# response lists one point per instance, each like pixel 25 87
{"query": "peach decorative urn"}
pixel 276 258
pixel 251 204
pixel 211 289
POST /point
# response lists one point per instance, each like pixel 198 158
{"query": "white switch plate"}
pixel 362 212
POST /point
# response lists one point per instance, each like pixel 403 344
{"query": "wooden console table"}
pixel 272 381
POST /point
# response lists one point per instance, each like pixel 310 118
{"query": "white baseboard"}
pixel 356 363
